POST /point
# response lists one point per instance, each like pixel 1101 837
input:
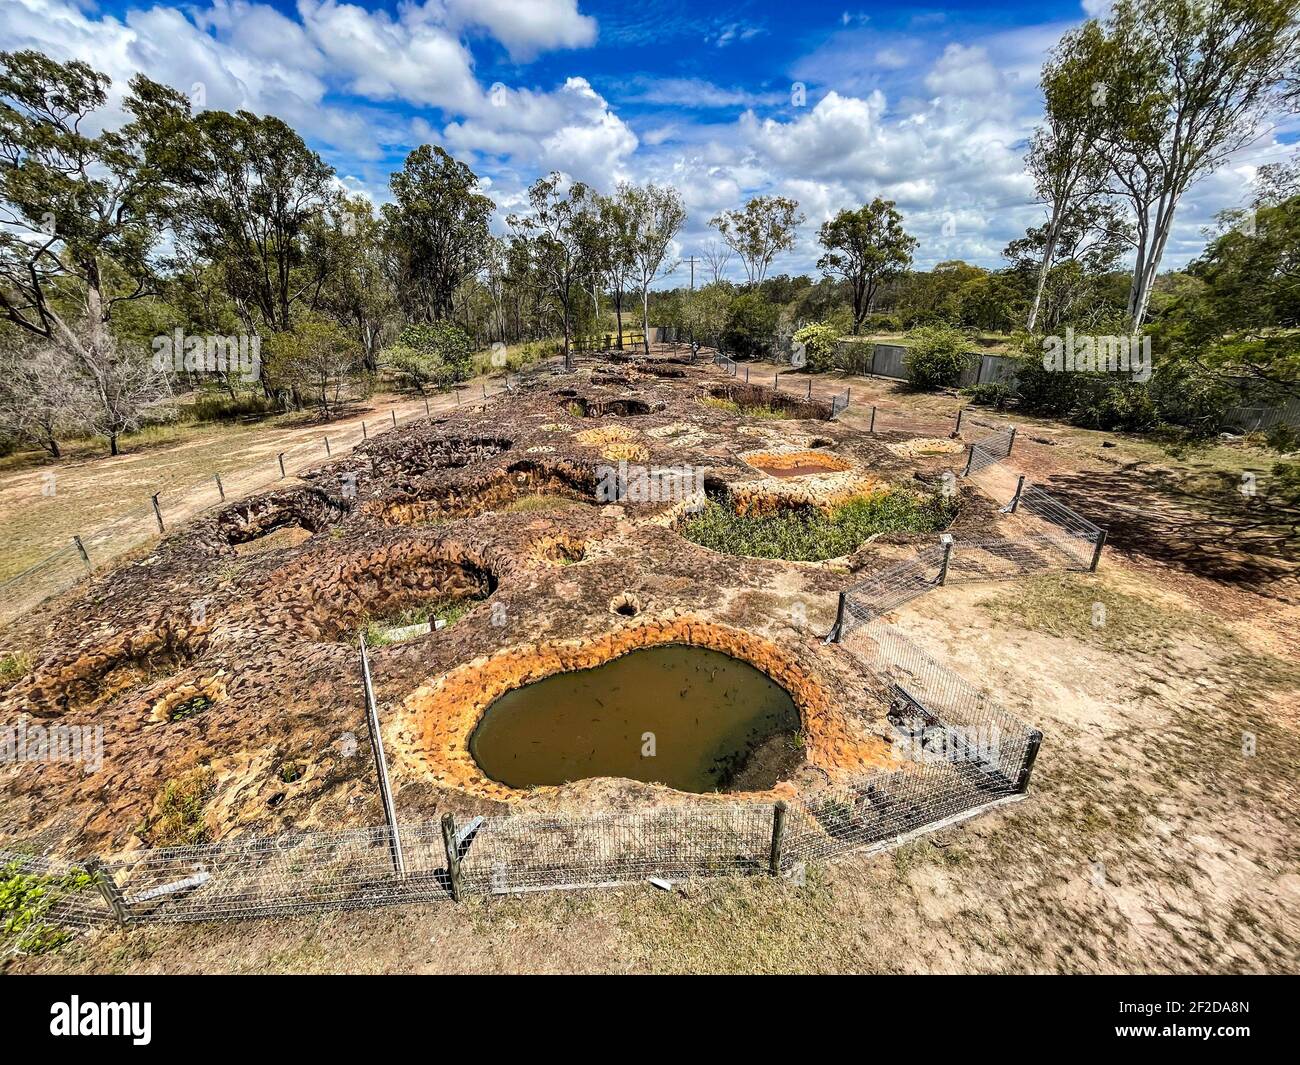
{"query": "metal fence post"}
pixel 841 612
pixel 327 447
pixel 157 512
pixel 381 765
pixel 280 456
pixel 1096 552
pixel 776 381
pixel 221 488
pixel 109 889
pixel 970 457
pixel 81 550
pixel 946 540
pixel 427 413
pixel 1015 499
pixel 1031 754
pixel 453 855
pixel 872 428
pixel 778 832
pixel 364 434
pixel 810 388
pixel 393 412
pixel 957 430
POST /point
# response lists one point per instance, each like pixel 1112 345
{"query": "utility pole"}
pixel 692 261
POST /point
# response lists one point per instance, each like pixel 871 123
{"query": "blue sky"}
pixel 929 106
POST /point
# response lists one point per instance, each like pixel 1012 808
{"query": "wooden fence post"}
pixel 221 488
pixel 81 550
pixel 364 434
pixel 157 512
pixel 946 540
pixel 327 447
pixel 381 764
pixel 1012 442
pixel 872 427
pixel 1096 554
pixel 280 456
pixel 427 413
pixel 778 833
pixel 957 430
pixel 393 412
pixel 453 855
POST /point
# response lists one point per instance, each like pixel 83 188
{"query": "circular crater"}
pixel 388 583
pixel 786 464
pixel 743 748
pixel 278 519
pixel 501 490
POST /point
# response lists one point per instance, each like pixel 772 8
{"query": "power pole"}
pixel 692 261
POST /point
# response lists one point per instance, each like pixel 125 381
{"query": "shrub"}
pixel 818 340
pixel 751 325
pixel 936 356
pixel 806 534
pixel 882 323
pixel 436 355
pixel 855 356
pixel 993 394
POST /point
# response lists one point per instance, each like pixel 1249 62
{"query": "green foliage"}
pixel 936 356
pixel 753 410
pixel 760 232
pixel 810 535
pixel 13 667
pixel 376 630
pixel 25 901
pixel 751 325
pixel 866 247
pixel 178 818
pixel 818 340
pixel 994 394
pixel 432 356
pixel 315 361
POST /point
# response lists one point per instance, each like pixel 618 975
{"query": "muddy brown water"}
pixel 687 717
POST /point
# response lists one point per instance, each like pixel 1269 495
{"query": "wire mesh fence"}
pixel 90 550
pixel 959 751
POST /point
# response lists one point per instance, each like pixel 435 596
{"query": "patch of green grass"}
pixel 527 504
pixel 807 534
pixel 752 410
pixel 1083 608
pixel 447 610
pixel 189 708
pixel 179 821
pixel 14 667
pixel 26 899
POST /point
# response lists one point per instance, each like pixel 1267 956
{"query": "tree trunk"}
pixel 1049 249
pixel 618 313
pixel 112 444
pixel 645 319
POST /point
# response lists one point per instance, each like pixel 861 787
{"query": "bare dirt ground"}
pixel 1158 836
pixel 43 503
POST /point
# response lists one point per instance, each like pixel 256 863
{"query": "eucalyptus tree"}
pixel 556 226
pixel 80 218
pixel 655 217
pixel 866 247
pixel 438 229
pixel 1182 85
pixel 758 233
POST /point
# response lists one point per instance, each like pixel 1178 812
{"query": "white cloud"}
pixel 526 27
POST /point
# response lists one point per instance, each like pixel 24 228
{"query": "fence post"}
pixel 81 550
pixel 746 373
pixel 1027 767
pixel 957 430
pixel 453 854
pixel 364 434
pixel 157 512
pixel 427 413
pixel 393 412
pixel 1015 499
pixel 484 389
pixel 109 889
pixel 327 447
pixel 872 429
pixel 970 457
pixel 810 388
pixel 280 456
pixel 837 630
pixel 381 765
pixel 1096 553
pixel 221 488
pixel 946 540
pixel 1012 442
pixel 778 832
